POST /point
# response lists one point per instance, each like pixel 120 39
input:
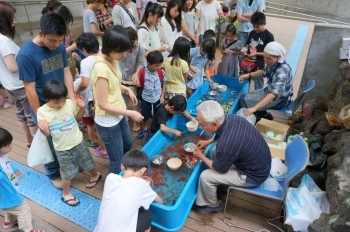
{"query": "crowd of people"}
pixel 136 62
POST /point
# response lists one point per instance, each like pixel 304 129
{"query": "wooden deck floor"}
pixel 244 210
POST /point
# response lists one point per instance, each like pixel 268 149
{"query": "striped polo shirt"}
pixel 241 144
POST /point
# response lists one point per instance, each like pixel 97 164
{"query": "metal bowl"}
pixel 157 160
pixel 212 95
pixel 189 147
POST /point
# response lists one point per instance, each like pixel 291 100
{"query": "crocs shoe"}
pixel 7 103
pixel 142 134
pixel 89 143
pixel 97 152
pixel 8 225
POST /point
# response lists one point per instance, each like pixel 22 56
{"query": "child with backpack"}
pixel 230 48
pixel 151 78
pixel 176 69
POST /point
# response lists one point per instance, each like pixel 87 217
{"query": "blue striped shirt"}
pixel 242 145
pixel 152 88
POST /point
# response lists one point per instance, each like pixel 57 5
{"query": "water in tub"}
pixel 226 99
pixel 167 183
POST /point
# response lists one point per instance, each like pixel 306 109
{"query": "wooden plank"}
pixel 265 202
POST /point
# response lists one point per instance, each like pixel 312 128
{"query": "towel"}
pixel 276 49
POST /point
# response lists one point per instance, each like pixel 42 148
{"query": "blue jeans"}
pixel 243 37
pixel 118 141
pixel 52 170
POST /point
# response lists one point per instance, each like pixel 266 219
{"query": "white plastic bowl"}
pixel 189 147
pixel 222 88
pixel 174 163
pixel 191 126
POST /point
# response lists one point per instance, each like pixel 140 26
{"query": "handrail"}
pixel 16 3
pixel 296 18
pixel 303 9
pixel 311 16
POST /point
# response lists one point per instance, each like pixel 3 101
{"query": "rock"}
pixel 317 175
pixel 341 97
pixel 321 224
pixel 331 142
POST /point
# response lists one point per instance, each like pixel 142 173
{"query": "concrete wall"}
pixel 322 63
pixel 333 9
pixel 34 11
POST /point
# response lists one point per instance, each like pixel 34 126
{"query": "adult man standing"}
pixel 242 155
pixel 245 10
pixel 42 59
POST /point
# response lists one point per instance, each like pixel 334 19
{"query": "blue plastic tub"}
pixel 166 217
pixel 232 83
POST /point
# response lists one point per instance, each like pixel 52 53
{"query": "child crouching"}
pixel 16 210
pixel 127 197
pixel 58 118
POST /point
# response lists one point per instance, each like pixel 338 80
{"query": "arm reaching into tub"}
pixel 158 199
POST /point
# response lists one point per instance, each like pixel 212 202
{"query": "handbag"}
pixel 127 11
pixel 248 65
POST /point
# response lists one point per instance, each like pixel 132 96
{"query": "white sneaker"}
pixel 7 103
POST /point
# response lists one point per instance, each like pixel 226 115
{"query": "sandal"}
pixel 95 182
pixel 73 199
pixel 98 152
pixel 89 143
pixel 141 134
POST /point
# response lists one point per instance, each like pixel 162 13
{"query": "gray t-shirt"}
pixel 131 62
pixel 88 18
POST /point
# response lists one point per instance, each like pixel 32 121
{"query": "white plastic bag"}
pixel 278 169
pixel 251 118
pixel 271 184
pixel 39 152
pixel 302 206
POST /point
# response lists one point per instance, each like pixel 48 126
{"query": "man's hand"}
pixel 198 153
pixel 202 144
pixel 250 111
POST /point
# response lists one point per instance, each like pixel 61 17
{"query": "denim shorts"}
pixel 75 159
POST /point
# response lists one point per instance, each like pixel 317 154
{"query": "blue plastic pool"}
pixel 226 99
pixel 171 217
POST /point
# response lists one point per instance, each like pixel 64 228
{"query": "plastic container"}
pixel 222 88
pixel 174 163
pixel 191 126
pixel 290 139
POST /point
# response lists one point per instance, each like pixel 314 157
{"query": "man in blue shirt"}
pixel 245 10
pixel 242 156
pixel 42 59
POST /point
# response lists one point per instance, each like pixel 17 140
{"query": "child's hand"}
pixel 79 100
pixel 243 77
pixel 76 56
pixel 43 125
pixel 177 133
pixel 161 100
pixel 163 48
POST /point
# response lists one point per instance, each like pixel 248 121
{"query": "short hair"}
pixel 115 39
pixel 184 7
pixel 208 47
pixel 132 34
pixel 93 1
pixel 232 29
pixel 89 42
pixel 50 6
pixel 225 9
pixel 181 50
pixel 5 138
pixel 7 15
pixel 258 18
pixel 54 90
pixel 52 24
pixel 212 111
pixel 209 34
pixel 135 160
pixel 64 12
pixel 154 9
pixel 179 103
pixel 155 57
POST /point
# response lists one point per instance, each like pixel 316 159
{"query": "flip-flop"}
pixel 95 182
pixel 73 199
pixel 97 152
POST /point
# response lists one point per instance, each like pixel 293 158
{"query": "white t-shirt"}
pixel 149 39
pixel 85 71
pixel 121 201
pixel 167 35
pixel 208 14
pixel 9 80
pixel 127 20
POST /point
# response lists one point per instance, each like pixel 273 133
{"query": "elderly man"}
pixel 279 86
pixel 242 155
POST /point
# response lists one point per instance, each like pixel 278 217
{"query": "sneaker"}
pixel 8 225
pixel 141 134
pixel 89 143
pixel 268 116
pixel 7 103
pixel 57 183
pixel 207 209
pixel 97 152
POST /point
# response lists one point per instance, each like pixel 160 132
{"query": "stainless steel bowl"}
pixel 157 160
pixel 189 147
pixel 212 95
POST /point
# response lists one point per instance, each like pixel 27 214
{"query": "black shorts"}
pixel 146 109
pixel 144 220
